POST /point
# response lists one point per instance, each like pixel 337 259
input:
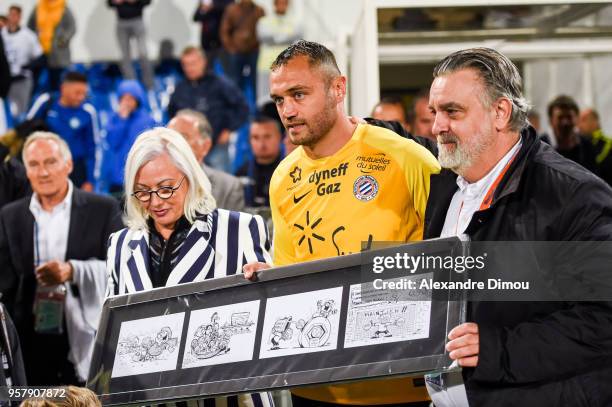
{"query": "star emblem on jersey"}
pixel 296 174
pixel 309 233
pixel 365 188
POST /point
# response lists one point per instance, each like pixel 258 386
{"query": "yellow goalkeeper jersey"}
pixel 374 188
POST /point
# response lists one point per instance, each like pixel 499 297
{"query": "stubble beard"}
pixel 318 126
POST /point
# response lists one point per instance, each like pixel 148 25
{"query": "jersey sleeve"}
pixel 283 252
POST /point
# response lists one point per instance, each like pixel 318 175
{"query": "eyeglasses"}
pixel 162 193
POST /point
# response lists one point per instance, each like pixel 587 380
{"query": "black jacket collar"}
pixel 444 185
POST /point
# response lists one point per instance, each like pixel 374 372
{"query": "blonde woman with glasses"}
pixel 175 235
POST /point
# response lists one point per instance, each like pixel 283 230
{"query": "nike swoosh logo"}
pixel 299 198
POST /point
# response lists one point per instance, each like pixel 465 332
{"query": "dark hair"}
pixel 563 102
pixel 500 77
pixel 318 56
pixel 262 118
pixel 16 8
pixel 74 76
pixel 423 93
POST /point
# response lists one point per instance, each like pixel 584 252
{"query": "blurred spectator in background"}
pixel 275 32
pixel 3 21
pixel 534 119
pixel 5 83
pixel 391 108
pixel 265 139
pixel 22 48
pixel 590 128
pixel 239 37
pixel 76 121
pixel 131 118
pixel 130 26
pixel 13 181
pixel 216 98
pixel 209 14
pixel 563 117
pixel 588 122
pixel 55 26
pixel 422 118
pixel 225 188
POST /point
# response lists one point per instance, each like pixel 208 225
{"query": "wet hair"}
pixel 318 57
pixel 499 76
pixel 563 102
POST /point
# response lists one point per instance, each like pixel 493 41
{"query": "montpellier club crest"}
pixel 365 188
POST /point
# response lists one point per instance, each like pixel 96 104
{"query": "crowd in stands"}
pixel 212 102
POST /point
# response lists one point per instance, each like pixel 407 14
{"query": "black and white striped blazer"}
pixel 217 245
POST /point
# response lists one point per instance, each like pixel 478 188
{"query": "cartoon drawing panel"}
pixel 301 323
pixel 221 334
pixel 148 345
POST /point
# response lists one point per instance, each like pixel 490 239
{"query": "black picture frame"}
pixel 340 365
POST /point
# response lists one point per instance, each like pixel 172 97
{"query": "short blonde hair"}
pixel 37 402
pixel 47 135
pixel 79 397
pixel 151 144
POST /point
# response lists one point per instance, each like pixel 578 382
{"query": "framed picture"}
pixel 317 322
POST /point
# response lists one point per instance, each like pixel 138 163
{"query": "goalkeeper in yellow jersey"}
pixel 346 183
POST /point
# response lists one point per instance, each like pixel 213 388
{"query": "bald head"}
pixel 191 128
pixel 588 121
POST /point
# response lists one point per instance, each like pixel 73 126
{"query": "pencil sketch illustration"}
pixel 380 316
pixel 312 333
pixel 301 323
pixel 148 345
pixel 221 334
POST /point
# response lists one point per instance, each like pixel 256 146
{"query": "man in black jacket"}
pixel 53 274
pixel 501 183
pixel 215 97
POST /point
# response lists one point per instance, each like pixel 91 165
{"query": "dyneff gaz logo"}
pixel 322 179
pixel 365 188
